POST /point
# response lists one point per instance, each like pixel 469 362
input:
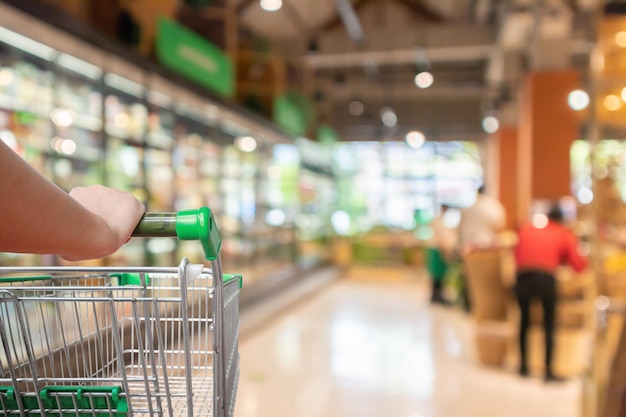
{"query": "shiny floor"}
pixel 370 345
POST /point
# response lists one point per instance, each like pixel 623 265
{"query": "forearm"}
pixel 39 217
pixel 574 258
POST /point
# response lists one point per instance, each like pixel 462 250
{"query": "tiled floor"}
pixel 372 346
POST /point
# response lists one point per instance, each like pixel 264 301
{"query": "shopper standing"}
pixel 481 223
pixel 479 227
pixel 541 248
pixel 439 254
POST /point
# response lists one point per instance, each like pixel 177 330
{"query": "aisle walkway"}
pixel 370 345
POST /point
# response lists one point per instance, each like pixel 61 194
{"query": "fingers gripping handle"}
pixel 197 224
pixel 156 225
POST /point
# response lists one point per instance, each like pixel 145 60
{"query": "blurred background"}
pixel 325 136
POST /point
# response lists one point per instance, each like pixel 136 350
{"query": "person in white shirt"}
pixel 479 227
pixel 481 223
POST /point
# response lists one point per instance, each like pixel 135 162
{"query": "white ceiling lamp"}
pixel 271 5
pixel 491 124
pixel 388 117
pixel 415 139
pixel 356 107
pixel 424 79
pixel 578 100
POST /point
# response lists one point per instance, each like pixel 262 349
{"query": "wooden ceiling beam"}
pixel 297 20
pixel 418 8
pixel 241 7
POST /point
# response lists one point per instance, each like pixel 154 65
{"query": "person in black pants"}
pixel 542 285
pixel 542 246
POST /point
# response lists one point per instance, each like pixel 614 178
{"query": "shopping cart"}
pixel 113 342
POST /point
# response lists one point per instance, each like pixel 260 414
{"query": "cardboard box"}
pixel 489 297
pixel 493 340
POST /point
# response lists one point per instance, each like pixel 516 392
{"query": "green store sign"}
pixel 293 112
pixel 327 135
pixel 192 56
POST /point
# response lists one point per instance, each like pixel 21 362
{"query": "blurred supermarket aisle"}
pixel 371 345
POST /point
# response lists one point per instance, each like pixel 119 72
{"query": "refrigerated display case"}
pixel 77 123
pixel 158 154
pixel 26 80
pixel 196 167
pixel 268 212
pixel 277 208
pixel 236 175
pixel 125 128
pixel 83 112
pixel 188 156
pixel 317 194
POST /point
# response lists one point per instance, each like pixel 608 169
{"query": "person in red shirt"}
pixel 540 250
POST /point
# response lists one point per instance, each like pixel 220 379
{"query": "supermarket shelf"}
pixel 89 35
pixel 12 103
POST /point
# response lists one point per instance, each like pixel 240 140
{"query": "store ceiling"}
pixel 371 50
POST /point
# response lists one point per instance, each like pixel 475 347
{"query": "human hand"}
pixel 117 215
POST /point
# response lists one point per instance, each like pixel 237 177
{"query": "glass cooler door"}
pixel 26 82
pixel 77 124
pixel 126 120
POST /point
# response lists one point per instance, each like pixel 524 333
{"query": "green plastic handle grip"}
pixel 196 224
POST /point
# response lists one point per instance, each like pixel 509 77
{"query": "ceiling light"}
pixel 491 124
pixel 79 66
pixel 612 103
pixel 123 84
pixel 578 100
pixel 620 39
pixel 271 5
pixel 388 116
pixel 424 79
pixel 26 44
pixel 415 139
pixel 356 107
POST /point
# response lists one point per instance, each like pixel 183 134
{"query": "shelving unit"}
pixel 85 114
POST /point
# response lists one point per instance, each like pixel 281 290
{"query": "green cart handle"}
pixel 197 224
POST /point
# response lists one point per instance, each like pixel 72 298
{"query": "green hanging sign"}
pixel 293 112
pixel 289 115
pixel 192 56
pixel 326 134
